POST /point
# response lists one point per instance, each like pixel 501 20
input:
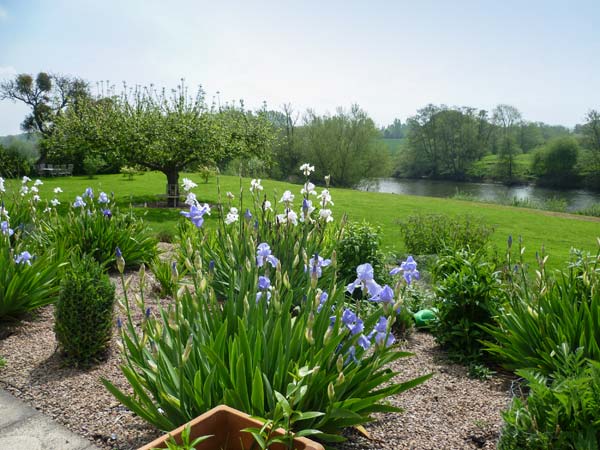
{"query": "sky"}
pixel 390 57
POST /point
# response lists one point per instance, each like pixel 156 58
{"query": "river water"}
pixel 575 199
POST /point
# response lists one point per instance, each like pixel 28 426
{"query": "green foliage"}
pixel 2 362
pixel 186 442
pixel 360 243
pixel 48 96
pixel 166 274
pixel 554 163
pixel 97 233
pixel 428 234
pixel 443 142
pixel 469 294
pixel 13 163
pixel 92 164
pixel 130 172
pixel 593 210
pixel 160 131
pixel 84 311
pixel 344 145
pixel 286 416
pixel 24 287
pixel 249 330
pixel 555 311
pixel 559 413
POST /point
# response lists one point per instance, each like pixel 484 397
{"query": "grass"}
pixel 558 233
pixel 486 167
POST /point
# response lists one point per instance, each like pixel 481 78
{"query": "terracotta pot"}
pixel 225 424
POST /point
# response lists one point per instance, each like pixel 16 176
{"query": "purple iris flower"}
pixel 351 356
pixel 364 274
pixel 107 213
pixel 385 295
pixel 5 229
pixel 23 258
pixel 263 254
pixel 351 320
pixel 264 283
pixel 196 214
pixel 247 215
pixel 118 252
pixel 322 299
pixel 380 332
pixel 317 263
pixel 103 198
pixel 89 192
pixel 409 269
pixel 364 342
pixel 78 203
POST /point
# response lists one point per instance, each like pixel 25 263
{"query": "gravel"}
pixel 449 411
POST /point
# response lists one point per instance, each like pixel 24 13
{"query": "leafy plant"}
pixel 92 228
pixel 84 311
pixel 285 416
pixel 185 444
pixel 248 330
pixel 27 281
pixel 2 362
pixel 559 413
pixel 539 319
pixel 166 274
pixel 469 294
pixel 428 234
pixel 360 243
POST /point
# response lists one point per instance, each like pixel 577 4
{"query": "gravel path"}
pixel 449 411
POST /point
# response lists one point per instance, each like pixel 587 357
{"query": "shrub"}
pixel 84 311
pixel 539 319
pixel 359 244
pixel 94 229
pixel 13 163
pixel 92 165
pixel 27 281
pixel 559 413
pixel 427 234
pixel 469 294
pixel 245 342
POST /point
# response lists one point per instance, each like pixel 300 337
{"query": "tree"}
pixel 555 163
pixel 48 97
pixel 507 119
pixel 344 146
pixel 396 130
pixel 591 142
pixel 444 142
pixel 164 132
pixel 286 149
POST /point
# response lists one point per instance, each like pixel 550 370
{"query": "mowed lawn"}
pixel 558 233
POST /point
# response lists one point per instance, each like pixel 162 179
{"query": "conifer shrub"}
pixel 84 311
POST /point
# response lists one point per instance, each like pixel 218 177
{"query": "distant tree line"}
pixel 176 130
pixel 442 142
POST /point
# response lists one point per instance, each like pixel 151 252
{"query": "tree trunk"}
pixel 172 187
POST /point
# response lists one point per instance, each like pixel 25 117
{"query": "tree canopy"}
pixel 160 130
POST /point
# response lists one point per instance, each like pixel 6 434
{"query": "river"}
pixel 575 199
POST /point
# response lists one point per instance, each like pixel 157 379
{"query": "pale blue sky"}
pixel 391 57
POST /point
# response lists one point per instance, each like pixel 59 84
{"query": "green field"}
pixel 557 232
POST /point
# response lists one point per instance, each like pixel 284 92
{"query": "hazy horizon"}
pixel 391 58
